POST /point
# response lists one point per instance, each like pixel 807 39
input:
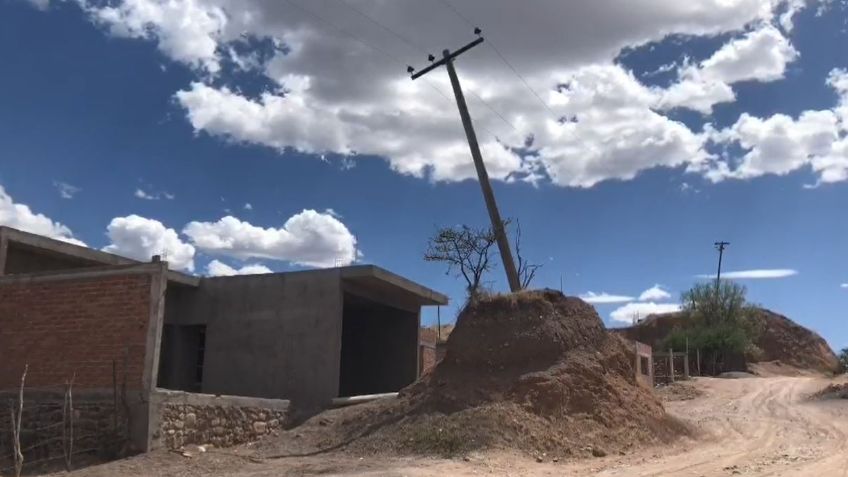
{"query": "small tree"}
pixel 843 360
pixel 718 322
pixel 466 250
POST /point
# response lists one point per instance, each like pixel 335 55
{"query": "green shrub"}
pixel 718 322
pixel 843 360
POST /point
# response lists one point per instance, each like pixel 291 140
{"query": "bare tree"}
pixel 526 270
pixel 466 250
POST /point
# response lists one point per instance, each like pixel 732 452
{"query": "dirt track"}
pixel 754 427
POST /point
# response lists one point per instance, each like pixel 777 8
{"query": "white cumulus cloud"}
pixel 780 144
pixel 338 83
pixel 21 217
pixel 308 238
pixel 40 4
pixel 754 274
pixel 66 191
pixel 141 238
pixel 636 311
pixel 216 268
pixel 760 55
pixel 185 30
pixel 603 297
pixel 142 194
pixel 655 293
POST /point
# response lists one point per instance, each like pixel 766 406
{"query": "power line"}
pixel 384 52
pixel 384 27
pixel 360 40
pixel 423 51
pixel 341 30
pixel 492 109
pixel 504 60
pixel 530 88
pixel 457 12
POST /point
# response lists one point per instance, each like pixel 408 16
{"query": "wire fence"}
pixel 49 428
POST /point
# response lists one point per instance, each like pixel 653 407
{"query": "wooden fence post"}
pixel 698 359
pixel 670 365
pixel 68 422
pixel 16 425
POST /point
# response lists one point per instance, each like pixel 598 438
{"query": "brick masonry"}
pixel 63 328
pixel 426 349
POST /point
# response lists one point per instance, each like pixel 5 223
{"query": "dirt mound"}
pixel 679 391
pixel 832 391
pixel 534 371
pixel 780 340
pixel 784 340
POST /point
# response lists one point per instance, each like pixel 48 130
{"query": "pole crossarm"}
pixel 450 57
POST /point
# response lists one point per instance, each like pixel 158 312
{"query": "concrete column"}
pixel 651 368
pixel 141 434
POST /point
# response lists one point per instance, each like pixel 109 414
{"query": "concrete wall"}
pixel 23 260
pixel 272 336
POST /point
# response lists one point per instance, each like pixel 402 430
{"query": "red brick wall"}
pixel 426 349
pixel 427 357
pixel 62 327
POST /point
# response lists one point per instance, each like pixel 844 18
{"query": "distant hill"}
pixel 781 339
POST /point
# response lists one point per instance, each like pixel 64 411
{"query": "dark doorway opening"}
pixel 379 347
pixel 181 357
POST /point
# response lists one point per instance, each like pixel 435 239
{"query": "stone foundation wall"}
pixel 179 418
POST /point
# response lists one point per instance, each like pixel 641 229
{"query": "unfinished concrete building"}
pixel 305 336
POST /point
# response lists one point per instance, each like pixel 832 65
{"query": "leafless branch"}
pixel 526 270
pixel 467 252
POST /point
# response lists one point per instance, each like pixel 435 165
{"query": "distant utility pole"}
pixel 720 247
pixel 482 175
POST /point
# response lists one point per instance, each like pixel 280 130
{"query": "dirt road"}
pixel 752 427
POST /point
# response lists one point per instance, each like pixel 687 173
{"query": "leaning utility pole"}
pixel 482 175
pixel 720 247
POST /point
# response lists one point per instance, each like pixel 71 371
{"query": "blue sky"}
pixel 121 130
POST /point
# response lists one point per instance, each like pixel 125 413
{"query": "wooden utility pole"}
pixel 482 175
pixel 720 247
